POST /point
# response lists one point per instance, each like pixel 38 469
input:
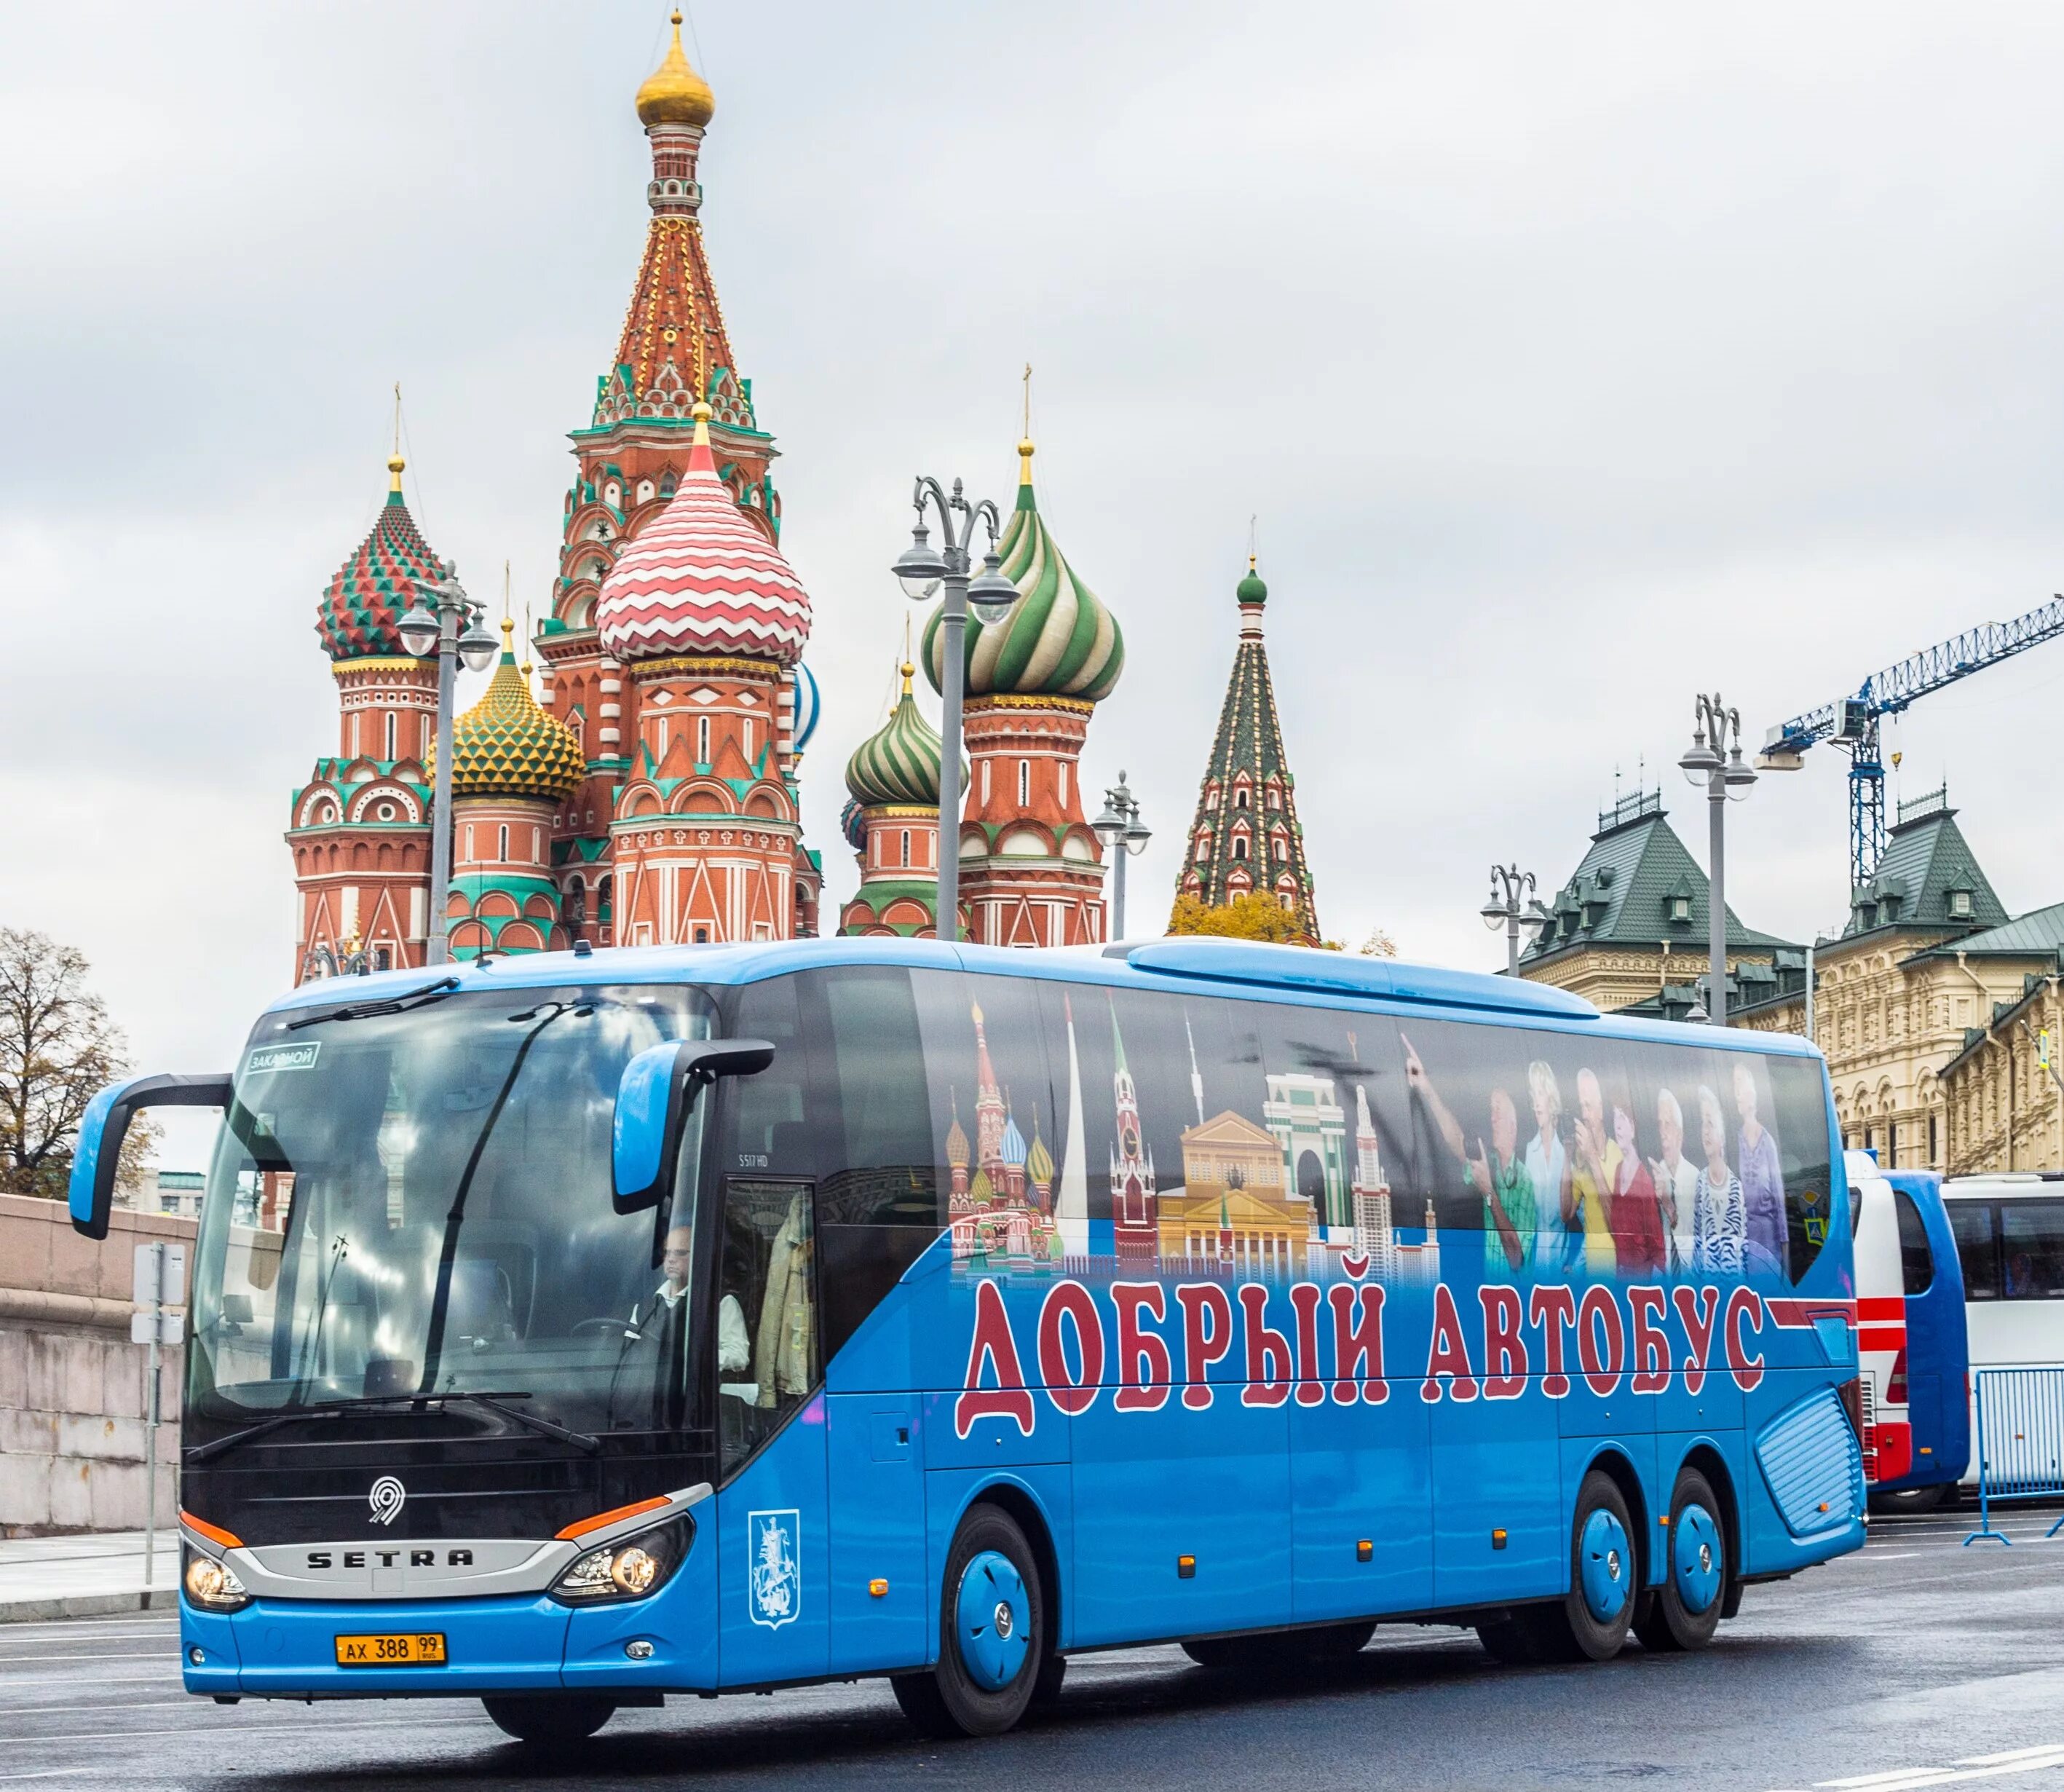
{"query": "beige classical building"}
pixel 2003 1091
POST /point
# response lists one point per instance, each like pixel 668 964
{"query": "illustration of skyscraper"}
pixel 1072 1211
pixel 1375 1237
pixel 1135 1224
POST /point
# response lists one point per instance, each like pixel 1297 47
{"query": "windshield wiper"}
pixel 390 1005
pixel 544 1428
pixel 498 1403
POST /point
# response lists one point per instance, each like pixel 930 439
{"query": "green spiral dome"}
pixel 899 762
pixel 1058 639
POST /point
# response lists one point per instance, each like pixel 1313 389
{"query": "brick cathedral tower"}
pixel 893 825
pixel 673 359
pixel 1031 867
pixel 359 829
pixel 1247 836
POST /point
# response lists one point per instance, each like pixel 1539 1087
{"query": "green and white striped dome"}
pixel 899 762
pixel 1058 640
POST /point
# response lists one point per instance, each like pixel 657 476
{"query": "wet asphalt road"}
pixel 1917 1663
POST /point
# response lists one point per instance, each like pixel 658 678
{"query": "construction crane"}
pixel 1852 723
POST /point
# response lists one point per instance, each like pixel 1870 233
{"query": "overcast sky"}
pixel 1573 359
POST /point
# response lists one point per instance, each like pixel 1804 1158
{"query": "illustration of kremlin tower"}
pixel 893 825
pixel 1247 836
pixel 1031 868
pixel 360 828
pixel 673 647
pixel 1135 1213
pixel 512 766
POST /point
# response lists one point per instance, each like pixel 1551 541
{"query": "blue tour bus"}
pixel 573 1329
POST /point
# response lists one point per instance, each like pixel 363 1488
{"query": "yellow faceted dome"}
pixel 506 745
pixel 673 93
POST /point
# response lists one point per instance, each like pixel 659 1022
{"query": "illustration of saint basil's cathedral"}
pixel 1275 1202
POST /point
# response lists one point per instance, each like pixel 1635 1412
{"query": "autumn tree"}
pixel 1256 915
pixel 58 1048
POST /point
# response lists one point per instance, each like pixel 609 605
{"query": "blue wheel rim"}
pixel 1608 1566
pixel 1697 1558
pixel 994 1620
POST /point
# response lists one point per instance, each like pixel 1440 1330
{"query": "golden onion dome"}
pixel 507 745
pixel 673 93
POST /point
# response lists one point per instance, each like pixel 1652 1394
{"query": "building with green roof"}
pixel 1630 923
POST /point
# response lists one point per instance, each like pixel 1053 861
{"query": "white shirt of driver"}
pixel 733 1349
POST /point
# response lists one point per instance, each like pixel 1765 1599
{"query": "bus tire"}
pixel 992 1634
pixel 550 1722
pixel 1046 1689
pixel 1683 1611
pixel 1588 1625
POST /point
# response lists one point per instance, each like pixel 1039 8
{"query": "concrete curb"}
pixel 86 1605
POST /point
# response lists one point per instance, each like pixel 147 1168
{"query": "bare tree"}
pixel 59 1047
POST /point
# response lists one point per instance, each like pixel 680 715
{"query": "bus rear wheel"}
pixel 550 1722
pixel 1685 1610
pixel 993 1643
pixel 1592 1621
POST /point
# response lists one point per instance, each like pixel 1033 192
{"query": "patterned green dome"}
pixel 1250 589
pixel 505 745
pixel 1058 640
pixel 899 762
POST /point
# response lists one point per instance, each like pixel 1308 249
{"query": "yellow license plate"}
pixel 420 1649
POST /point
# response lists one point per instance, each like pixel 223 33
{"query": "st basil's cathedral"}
pixel 639 784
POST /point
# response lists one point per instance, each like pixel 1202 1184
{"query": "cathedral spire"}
pixel 1246 838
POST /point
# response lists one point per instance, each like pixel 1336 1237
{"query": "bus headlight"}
pixel 630 1568
pixel 213 1585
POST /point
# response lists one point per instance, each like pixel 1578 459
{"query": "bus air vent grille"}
pixel 1812 1464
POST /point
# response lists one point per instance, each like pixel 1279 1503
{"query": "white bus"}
pixel 2010 1231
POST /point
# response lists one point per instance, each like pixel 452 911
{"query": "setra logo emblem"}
pixel 386 1500
pixel 773 1575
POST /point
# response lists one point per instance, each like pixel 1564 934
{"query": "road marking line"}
pixel 2011 1754
pixel 2019 1762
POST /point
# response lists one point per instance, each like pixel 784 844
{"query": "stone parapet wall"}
pixel 72 1386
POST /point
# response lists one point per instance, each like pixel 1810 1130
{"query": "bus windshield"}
pixel 412 1198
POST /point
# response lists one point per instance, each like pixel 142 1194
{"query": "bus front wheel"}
pixel 1684 1611
pixel 992 1642
pixel 547 1722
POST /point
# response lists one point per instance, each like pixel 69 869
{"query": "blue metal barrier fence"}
pixel 2021 1442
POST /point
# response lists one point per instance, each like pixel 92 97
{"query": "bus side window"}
pixel 767 1310
pixel 2032 1250
pixel 1977 1247
pixel 1917 1263
pixel 768 1126
pixel 878 1203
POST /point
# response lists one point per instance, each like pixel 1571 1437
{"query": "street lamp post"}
pixel 428 632
pixel 920 569
pixel 1125 836
pixel 1508 885
pixel 1714 760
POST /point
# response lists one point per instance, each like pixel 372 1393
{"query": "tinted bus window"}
pixel 878 1204
pixel 1977 1247
pixel 1917 1263
pixel 2032 1250
pixel 1795 1111
pixel 1330 1093
pixel 992 1118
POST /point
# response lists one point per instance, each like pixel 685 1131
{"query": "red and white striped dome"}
pixel 702 578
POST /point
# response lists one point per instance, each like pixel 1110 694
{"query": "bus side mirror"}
pixel 653 1102
pixel 106 1124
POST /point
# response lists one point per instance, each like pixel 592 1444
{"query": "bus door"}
pixel 773 1620
pixel 1182 1487
pixel 1936 1361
